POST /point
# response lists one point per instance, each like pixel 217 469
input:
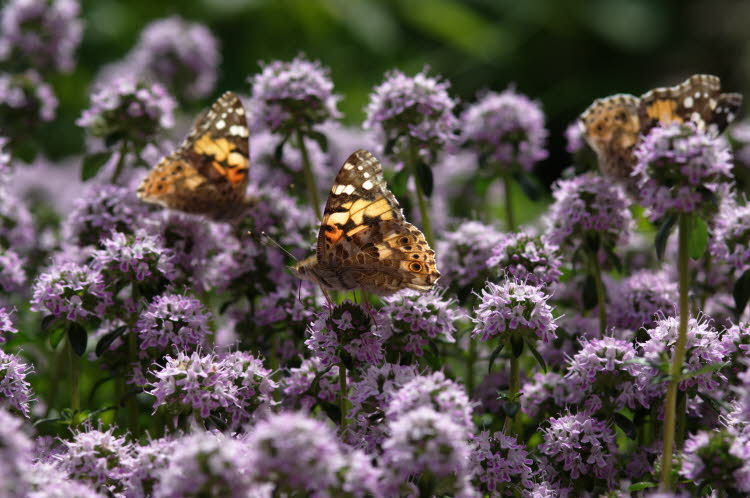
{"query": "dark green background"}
pixel 565 53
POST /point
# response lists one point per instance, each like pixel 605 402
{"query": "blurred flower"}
pixel 288 311
pixel 427 445
pixel 172 321
pixel 501 466
pixel 417 318
pixel 44 32
pixel 588 207
pixel 544 393
pixel 507 129
pixel 12 273
pixel 740 134
pixel 246 268
pixel 741 410
pixel 15 455
pixel 731 231
pixel 134 258
pixel 16 223
pixel 6 324
pixel 574 138
pixel 578 446
pixel 735 341
pixel 346 333
pixel 15 390
pixel 527 258
pixel 310 384
pixel 570 330
pixel 717 459
pixel 71 291
pixel 148 461
pixel 640 299
pixel 290 96
pixel 414 110
pixel 204 464
pixel 256 387
pixel 48 480
pixel 279 176
pixel 488 391
pixel 183 56
pixel 463 254
pixel 681 169
pixel 5 162
pixel 512 307
pixel 25 100
pixel 434 391
pixel 98 457
pixel 128 109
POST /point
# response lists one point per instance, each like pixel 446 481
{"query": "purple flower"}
pixel 681 169
pixel 507 129
pixel 6 324
pixel 204 464
pixel 412 111
pixel 48 480
pixel 98 457
pixel 183 56
pixel 585 207
pixel 129 109
pixel 256 387
pixel 463 254
pixel 526 257
pixel 502 467
pixel 134 258
pixel 12 273
pixel 17 231
pixel 417 319
pixel 718 459
pixel 172 321
pixel 512 307
pixel 147 463
pixel 731 231
pixel 44 33
pixel 741 410
pixel 72 292
pixel 544 393
pixel 574 141
pixel 604 368
pixel 570 329
pixel 486 394
pixel 311 384
pixel 347 333
pixel 428 444
pixel 735 342
pixel 25 100
pixel 578 446
pixel 288 311
pixel 100 210
pixel 15 390
pixel 15 453
pixel 640 299
pixel 290 96
pixel 740 134
pixel 434 391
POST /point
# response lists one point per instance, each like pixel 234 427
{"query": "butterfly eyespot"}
pixel 406 248
pixel 415 256
pixel 160 187
pixel 415 267
pixel 403 240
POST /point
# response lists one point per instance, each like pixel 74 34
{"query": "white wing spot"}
pixel 240 111
pixel 238 130
pixel 712 104
pixel 688 102
pixel 337 189
pixel 730 117
pixel 368 185
pixel 348 166
pixel 697 95
pixel 220 124
pixel 366 174
pixel 695 117
pixel 349 189
pixel 359 168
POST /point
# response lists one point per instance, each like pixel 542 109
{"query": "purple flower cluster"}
pixel 25 99
pixel 134 258
pixel 15 390
pixel 501 466
pixel 740 134
pixel 44 33
pixel 71 291
pixel 15 453
pixel 731 232
pixel 414 111
pixel 12 274
pixel 640 299
pixel 97 457
pixel 311 384
pixel 574 138
pixel 6 325
pixel 681 169
pixel 173 321
pixel 527 258
pixel 463 254
pixel 507 129
pixel 718 459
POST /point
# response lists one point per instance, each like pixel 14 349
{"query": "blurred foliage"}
pixel 565 53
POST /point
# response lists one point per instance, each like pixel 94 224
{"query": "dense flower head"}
pixel 640 299
pixel 463 255
pixel 741 408
pixel 71 291
pixel 48 480
pixel 681 169
pixel 17 230
pixel 25 100
pixel 15 390
pixel 147 461
pixel 588 207
pixel 139 257
pixel 506 128
pixel 42 32
pixel 718 459
pixel 604 368
pixel 102 209
pixel 288 309
pixel 181 55
pixel 434 391
pixel 731 231
pixel 15 453
pixel 526 257
pixel 501 466
pixel 97 457
pixel 6 324
pixel 544 393
pixel 418 318
pixel 513 307
pixel 173 321
pixel 246 267
pixel 12 274
pixel 295 95
pixel 429 444
pixel 412 111
pixel 740 134
pixel 347 333
pixel 256 387
pixel 310 384
pixel 204 464
pixel 129 109
pixel 579 445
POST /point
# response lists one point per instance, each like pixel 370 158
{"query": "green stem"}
pixel 678 358
pixel 75 374
pixel 312 189
pixel 471 359
pixel 509 215
pixel 342 395
pixel 601 296
pixel 120 160
pixel 412 164
pixel 514 386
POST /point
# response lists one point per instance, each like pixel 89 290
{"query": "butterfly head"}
pixel 305 269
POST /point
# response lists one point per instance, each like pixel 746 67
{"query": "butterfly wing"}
pixel 208 173
pixel 364 240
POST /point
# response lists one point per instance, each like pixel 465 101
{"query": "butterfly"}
pixel 613 125
pixel 364 240
pixel 208 173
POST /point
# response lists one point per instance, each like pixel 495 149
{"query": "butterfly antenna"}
pixel 278 246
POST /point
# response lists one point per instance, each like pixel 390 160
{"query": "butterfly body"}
pixel 208 173
pixel 364 240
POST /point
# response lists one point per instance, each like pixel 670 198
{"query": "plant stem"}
pixel 412 164
pixel 312 188
pixel 75 374
pixel 514 386
pixel 678 358
pixel 470 361
pixel 120 160
pixel 601 296
pixel 342 395
pixel 509 215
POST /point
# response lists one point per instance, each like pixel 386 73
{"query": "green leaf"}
pixel 48 322
pixel 493 356
pixel 425 179
pixel 529 185
pixel 107 339
pixel 713 367
pixel 741 293
pixel 320 138
pixel 56 336
pixel 400 180
pixel 626 425
pixel 78 337
pixel 697 237
pixel 662 236
pixel 640 486
pixel 516 344
pixel 537 356
pixel 589 292
pixel 92 163
pixel 112 139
